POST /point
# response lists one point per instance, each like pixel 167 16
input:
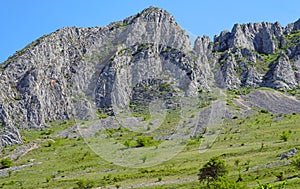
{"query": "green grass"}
pixel 254 141
pixel 29 135
pixel 292 39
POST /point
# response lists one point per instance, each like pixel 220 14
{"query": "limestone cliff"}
pixel 72 72
pixel 76 72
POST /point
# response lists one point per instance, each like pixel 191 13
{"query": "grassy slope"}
pixel 65 161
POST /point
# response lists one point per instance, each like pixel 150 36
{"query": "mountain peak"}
pixel 154 11
pixel 154 15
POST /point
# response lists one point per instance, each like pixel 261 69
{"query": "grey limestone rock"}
pixel 281 74
pixel 60 76
pixel 261 37
pixel 73 73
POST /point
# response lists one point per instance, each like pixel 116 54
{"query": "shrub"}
pixel 5 163
pixel 117 185
pixel 144 141
pixel 48 144
pixel 284 136
pixel 264 111
pixel 159 179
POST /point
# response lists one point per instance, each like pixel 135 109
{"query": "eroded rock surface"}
pixel 77 72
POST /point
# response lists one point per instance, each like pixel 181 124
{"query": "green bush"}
pixel 284 136
pixel 144 141
pixel 141 141
pixel 5 163
pixel 264 111
pixel 159 179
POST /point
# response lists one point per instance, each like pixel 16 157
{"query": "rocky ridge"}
pixel 78 72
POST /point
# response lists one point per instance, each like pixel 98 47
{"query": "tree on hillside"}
pixel 213 170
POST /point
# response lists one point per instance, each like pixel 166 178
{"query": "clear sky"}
pixel 23 21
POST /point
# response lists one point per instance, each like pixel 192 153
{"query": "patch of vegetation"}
pixel 84 184
pixel 240 91
pixel 124 51
pixel 142 47
pixel 263 64
pixel 30 135
pixel 293 39
pixel 285 136
pixel 206 98
pixel 132 139
pixel 264 111
pixel 296 163
pixel 144 141
pixel 101 115
pixel 22 51
pixel 270 186
pixel 5 163
pixel 145 117
pixel 196 140
pixel 294 92
pixel 270 58
pixel 121 24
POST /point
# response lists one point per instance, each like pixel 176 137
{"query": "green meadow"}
pixel 250 146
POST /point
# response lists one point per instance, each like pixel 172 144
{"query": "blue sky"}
pixel 24 21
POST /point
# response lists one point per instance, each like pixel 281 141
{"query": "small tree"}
pixel 213 170
pixel 284 136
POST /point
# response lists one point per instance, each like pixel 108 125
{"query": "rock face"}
pixel 261 37
pixel 281 74
pixel 76 72
pixel 258 55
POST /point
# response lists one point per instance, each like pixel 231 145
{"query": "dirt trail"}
pixel 22 150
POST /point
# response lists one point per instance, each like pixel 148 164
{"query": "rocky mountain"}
pixel 75 73
pixel 259 54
